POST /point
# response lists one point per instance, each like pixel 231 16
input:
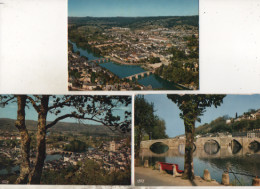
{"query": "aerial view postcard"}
pixel 65 140
pixel 133 45
pixel 197 140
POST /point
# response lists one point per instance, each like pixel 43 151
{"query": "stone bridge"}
pixel 177 146
pixel 142 74
pixel 101 60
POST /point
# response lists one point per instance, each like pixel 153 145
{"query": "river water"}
pixel 216 162
pixel 126 70
pixel 9 170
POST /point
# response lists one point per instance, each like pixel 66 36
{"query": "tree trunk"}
pixel 25 141
pixel 138 141
pixel 188 160
pixel 35 176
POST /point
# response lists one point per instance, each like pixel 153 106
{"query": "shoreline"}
pixel 151 177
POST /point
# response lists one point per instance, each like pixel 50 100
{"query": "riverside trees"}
pixel 100 109
pixel 192 107
pixel 146 122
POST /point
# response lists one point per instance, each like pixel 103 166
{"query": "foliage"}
pixel 99 109
pixel 88 173
pixel 145 117
pixel 146 122
pixel 153 60
pixel 220 125
pixel 174 72
pixel 192 107
pixel 75 146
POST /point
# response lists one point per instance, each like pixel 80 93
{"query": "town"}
pixel 111 156
pixel 170 52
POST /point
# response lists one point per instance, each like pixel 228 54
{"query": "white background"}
pixel 33 47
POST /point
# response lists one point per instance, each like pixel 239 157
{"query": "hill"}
pixel 221 124
pixel 135 22
pixel 8 125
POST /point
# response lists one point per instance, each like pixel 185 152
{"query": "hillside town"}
pixel 253 115
pixel 85 75
pixel 111 156
pixel 149 48
pixel 140 45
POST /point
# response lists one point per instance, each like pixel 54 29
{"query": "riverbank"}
pixel 122 62
pixel 150 177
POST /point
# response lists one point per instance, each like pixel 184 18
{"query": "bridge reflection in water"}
pixel 214 154
pixel 203 147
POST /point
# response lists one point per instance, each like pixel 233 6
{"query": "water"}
pixel 83 52
pixel 122 70
pixel 126 70
pixel 10 170
pixel 158 83
pixel 216 164
pixel 53 157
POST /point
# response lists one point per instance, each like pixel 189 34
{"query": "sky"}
pixel 168 111
pixel 132 8
pixel 10 111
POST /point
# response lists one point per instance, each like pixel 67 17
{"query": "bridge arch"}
pixel 181 148
pixel 159 147
pixel 211 147
pixel 254 146
pixel 235 146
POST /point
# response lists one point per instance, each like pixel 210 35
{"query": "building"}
pixel 113 146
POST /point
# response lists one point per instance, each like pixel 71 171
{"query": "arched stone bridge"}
pixel 101 60
pixel 142 74
pixel 225 144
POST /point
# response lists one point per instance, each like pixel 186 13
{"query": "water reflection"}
pixel 159 148
pixel 236 146
pixel 211 147
pixel 254 146
pixel 215 159
pixel 181 148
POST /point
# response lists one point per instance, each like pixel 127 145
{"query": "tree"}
pixel 192 107
pixel 25 138
pixel 145 122
pixel 95 108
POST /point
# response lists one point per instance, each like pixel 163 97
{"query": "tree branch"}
pixel 59 104
pixel 34 104
pixel 72 116
pixel 3 103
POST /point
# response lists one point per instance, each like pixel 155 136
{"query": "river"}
pixel 9 170
pixel 122 71
pixel 216 163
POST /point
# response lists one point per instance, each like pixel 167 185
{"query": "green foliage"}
pixel 88 173
pixel 146 119
pixel 93 77
pixel 147 122
pixel 174 72
pixel 154 60
pixel 76 146
pixel 177 54
pixel 193 106
pixel 219 125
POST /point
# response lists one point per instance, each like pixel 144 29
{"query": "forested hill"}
pixel 8 125
pixel 136 22
pixel 220 125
